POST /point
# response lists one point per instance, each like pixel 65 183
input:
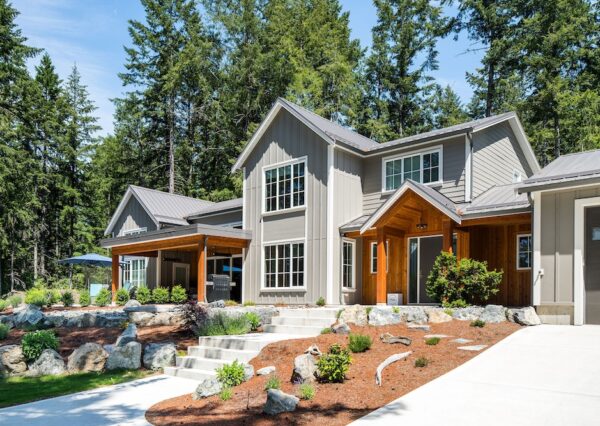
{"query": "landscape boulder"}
pixel 132 303
pixel 207 387
pixel 384 315
pixel 436 316
pixel 313 350
pixel 248 372
pixel 342 328
pixel 49 363
pixel 355 314
pixel 12 361
pixel 30 317
pixel 141 319
pixel 524 316
pixel 217 304
pixel 159 355
pixel 126 357
pixel 467 314
pixel 265 371
pixel 87 357
pixel 305 367
pixel 87 318
pixel 493 314
pixel 414 314
pixel 128 335
pixel 391 339
pixel 279 402
pixel 7 320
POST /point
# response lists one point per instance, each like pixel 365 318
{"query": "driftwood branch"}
pixel 388 361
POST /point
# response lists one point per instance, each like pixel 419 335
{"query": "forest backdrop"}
pixel 200 75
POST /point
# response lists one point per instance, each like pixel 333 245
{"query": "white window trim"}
pixel 186 266
pixel 265 168
pixel 525 234
pixel 385 160
pixel 128 261
pixel 290 289
pixel 387 258
pixel 134 231
pixel 353 244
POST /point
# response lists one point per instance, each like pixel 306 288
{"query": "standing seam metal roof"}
pixel 168 208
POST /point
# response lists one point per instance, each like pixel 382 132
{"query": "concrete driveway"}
pixel 123 404
pixel 546 375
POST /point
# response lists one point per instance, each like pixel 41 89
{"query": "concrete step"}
pixel 231 342
pixel 199 363
pixel 309 312
pixel 301 321
pixel 297 330
pixel 220 353
pixel 188 373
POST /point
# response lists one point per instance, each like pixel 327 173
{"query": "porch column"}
pixel 115 275
pixel 381 285
pixel 462 243
pixel 448 231
pixel 201 270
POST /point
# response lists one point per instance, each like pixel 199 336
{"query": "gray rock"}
pixel 279 402
pixel 217 304
pixel 132 303
pixel 87 357
pixel 391 339
pixel 140 318
pixel 414 314
pixel 7 320
pixel 355 314
pixel 207 387
pixel 305 367
pixel 434 336
pixel 12 361
pixel 341 328
pixel 419 327
pixel 174 317
pixel 313 350
pixel 493 314
pixel 467 314
pixel 462 341
pixel 524 316
pixel 85 319
pixel 128 335
pixel 127 357
pixel 49 363
pixel 384 315
pixel 248 372
pixel 436 316
pixel 265 371
pixel 474 348
pixel 31 316
pixel 159 355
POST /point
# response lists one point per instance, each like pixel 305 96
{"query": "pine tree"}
pixel 446 108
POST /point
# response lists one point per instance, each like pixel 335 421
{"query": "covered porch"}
pixel 401 240
pixel 185 255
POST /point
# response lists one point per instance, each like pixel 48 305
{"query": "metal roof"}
pixel 221 206
pixel 566 170
pixel 499 198
pixel 166 207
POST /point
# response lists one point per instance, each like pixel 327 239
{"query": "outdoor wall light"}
pixel 421 226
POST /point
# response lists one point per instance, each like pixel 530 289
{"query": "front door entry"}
pixel 592 265
pixel 422 252
pixel 181 274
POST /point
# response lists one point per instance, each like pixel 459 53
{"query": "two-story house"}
pixel 329 213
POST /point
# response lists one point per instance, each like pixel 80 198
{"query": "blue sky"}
pixel 92 33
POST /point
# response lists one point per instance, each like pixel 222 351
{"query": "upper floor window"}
pixel 423 167
pixel 284 186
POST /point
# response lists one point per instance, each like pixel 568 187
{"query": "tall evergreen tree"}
pixel 446 109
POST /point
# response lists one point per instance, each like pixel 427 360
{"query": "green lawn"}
pixel 18 390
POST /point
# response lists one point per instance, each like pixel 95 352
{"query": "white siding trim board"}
pixel 330 230
pixel 468 167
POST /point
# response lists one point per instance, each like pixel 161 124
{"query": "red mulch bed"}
pixel 71 338
pixel 339 403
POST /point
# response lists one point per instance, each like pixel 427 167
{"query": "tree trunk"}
pixel 491 88
pixel 556 136
pixel 35 259
pixel 171 147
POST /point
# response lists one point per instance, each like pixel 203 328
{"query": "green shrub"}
pixel 34 343
pixel 421 362
pixel 67 298
pixel 143 295
pixel 456 304
pixel 254 320
pixel 52 297
pixel 231 303
pixel 432 341
pixel 84 298
pixel 359 342
pixel 15 300
pixel 327 330
pixel 225 394
pixel 396 310
pixel 478 323
pixel 449 311
pixel 122 297
pixel 178 294
pixel 273 383
pixel 160 295
pixel 103 298
pixel 4 329
pixel 320 301
pixel 369 309
pixel 333 366
pixel 230 375
pixel 249 303
pixel 454 282
pixel 307 391
pixel 221 325
pixel 35 296
pixel 3 304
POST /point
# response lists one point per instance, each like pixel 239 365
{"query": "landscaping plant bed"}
pixel 71 338
pixel 336 403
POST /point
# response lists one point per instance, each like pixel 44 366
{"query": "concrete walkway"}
pixel 123 404
pixel 546 375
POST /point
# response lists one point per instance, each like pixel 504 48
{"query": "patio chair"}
pixel 221 288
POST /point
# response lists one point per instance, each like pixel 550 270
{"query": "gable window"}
pixel 134 271
pixel 422 167
pixel 284 186
pixel 135 231
pixel 348 264
pixel 374 256
pixel 524 251
pixel 284 265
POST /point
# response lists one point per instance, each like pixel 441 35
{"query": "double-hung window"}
pixel 524 251
pixel 422 167
pixel 284 265
pixel 348 264
pixel 284 186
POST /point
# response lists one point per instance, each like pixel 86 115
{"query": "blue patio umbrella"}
pixel 226 268
pixel 89 259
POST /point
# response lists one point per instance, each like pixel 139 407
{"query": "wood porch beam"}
pixel 447 233
pixel 498 220
pixel 381 284
pixel 115 275
pixel 201 258
pixel 393 232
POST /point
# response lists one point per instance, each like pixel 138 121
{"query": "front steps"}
pixel 214 351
